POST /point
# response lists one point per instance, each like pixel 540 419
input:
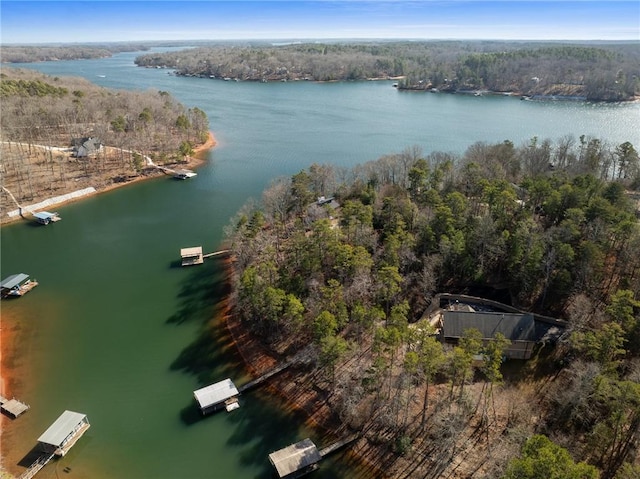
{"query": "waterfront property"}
pixel 63 433
pixel 12 407
pixel 45 217
pixel 16 285
pixel 191 256
pixel 520 329
pixel 296 460
pixel 223 394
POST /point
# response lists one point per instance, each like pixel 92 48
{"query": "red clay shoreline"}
pixel 8 374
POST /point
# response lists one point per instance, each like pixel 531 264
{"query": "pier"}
pixel 338 445
pixel 256 382
pixel 13 407
pixel 303 457
pixel 34 468
pixel 193 255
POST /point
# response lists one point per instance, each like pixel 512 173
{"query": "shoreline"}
pixel 7 344
pixel 198 159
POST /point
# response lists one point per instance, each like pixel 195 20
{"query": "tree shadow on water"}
pixel 201 294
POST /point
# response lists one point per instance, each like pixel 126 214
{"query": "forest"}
pixel 43 117
pixel 347 261
pixel 45 53
pixel 591 71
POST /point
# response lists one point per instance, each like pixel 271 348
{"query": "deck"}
pixel 13 407
pixel 61 451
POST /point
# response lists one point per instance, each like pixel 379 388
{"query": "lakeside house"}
pixel 86 147
pixel 296 460
pixel 522 330
pixel 16 285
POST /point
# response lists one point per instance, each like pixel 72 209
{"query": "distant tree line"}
pixel 607 71
pixel 41 109
pixel 43 53
pixel 545 226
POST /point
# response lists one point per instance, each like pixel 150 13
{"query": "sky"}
pixel 23 22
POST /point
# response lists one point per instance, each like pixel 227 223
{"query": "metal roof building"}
pixel 213 397
pixel 296 460
pixel 14 280
pixel 521 329
pixel 61 435
pixel 45 217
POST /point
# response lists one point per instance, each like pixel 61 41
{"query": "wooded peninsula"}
pixel 607 71
pixel 374 274
pixel 62 134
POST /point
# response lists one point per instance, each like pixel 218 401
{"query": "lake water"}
pixel 116 331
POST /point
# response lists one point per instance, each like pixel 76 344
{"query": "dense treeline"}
pixel 549 227
pixel 608 71
pixel 42 53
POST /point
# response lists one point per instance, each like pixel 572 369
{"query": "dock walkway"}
pixel 338 445
pixel 36 466
pixel 257 381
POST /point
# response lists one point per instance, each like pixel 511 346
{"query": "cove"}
pixel 117 331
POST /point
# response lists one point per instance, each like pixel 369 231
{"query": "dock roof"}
pixel 14 280
pixel 215 393
pixel 194 251
pixel 45 215
pixel 295 457
pixel 61 428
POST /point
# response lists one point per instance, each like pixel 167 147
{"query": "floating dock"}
pixel 58 439
pixel 44 217
pixel 223 394
pixel 17 285
pixel 296 460
pixel 183 174
pixel 193 255
pixel 303 457
pixel 13 407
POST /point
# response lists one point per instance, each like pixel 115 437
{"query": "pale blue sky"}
pixel 102 21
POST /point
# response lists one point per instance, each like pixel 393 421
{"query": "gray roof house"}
pixel 522 330
pixel 85 147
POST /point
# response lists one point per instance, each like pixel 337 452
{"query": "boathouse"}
pixel 520 329
pixel 184 174
pixel 45 217
pixel 296 460
pixel 191 256
pixel 16 285
pixel 223 394
pixel 63 433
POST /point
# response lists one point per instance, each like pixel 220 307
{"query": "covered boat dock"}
pixel 296 460
pixel 63 433
pixel 223 394
pixel 192 256
pixel 17 285
pixel 45 217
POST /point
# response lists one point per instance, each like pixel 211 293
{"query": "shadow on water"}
pixel 262 425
